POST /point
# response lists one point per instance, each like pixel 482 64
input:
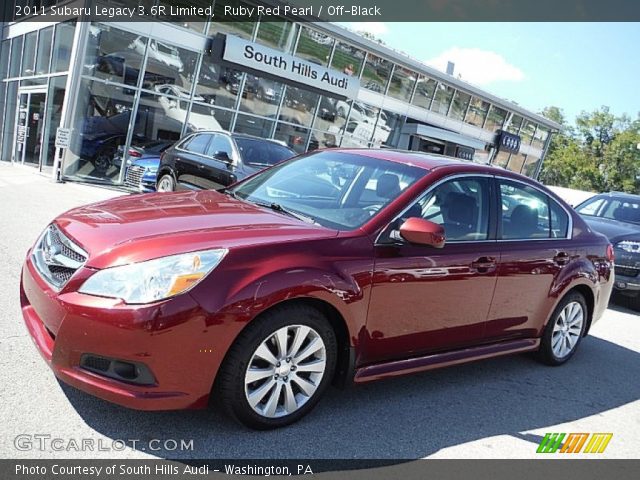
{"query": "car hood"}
pixel 141 227
pixel 152 161
pixel 614 230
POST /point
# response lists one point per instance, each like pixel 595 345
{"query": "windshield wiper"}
pixel 276 207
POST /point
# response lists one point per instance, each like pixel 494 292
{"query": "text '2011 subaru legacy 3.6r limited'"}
pixel 339 265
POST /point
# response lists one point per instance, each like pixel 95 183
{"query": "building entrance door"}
pixel 30 126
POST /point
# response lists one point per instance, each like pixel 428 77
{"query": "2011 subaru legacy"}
pixel 336 266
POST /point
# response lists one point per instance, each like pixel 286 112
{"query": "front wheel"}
pixel 278 368
pixel 564 331
pixel 166 183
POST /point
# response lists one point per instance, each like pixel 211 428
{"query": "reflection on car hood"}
pixel 152 161
pixel 141 227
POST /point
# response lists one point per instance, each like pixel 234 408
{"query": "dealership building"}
pixel 83 95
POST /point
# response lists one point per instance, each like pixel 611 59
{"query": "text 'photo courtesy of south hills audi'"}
pixel 334 267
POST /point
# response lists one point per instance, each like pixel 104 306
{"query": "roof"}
pixel 405 60
pixel 423 160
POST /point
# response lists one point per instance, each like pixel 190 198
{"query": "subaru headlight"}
pixel 153 280
pixel 629 246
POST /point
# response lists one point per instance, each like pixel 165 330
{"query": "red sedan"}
pixel 336 266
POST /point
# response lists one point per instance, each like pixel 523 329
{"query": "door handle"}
pixel 483 264
pixel 561 258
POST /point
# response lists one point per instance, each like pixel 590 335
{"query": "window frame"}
pixel 495 205
pixel 493 221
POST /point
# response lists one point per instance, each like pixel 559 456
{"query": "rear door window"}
pixel 197 143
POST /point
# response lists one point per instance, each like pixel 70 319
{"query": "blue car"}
pixel 142 166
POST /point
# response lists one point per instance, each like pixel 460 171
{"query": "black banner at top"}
pixel 324 10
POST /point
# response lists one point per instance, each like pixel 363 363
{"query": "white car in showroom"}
pixel 159 51
pixel 201 117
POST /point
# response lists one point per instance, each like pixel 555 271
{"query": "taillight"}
pixel 134 153
pixel 611 256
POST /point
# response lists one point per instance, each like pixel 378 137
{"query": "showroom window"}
pixel 514 123
pixel 102 115
pixel 530 166
pixel 261 96
pixel 230 24
pixel 477 112
pixel 328 118
pixel 62 45
pixel 495 118
pixel 376 73
pixel 516 162
pixel 347 59
pixel 218 84
pixel 258 127
pixel 16 56
pixel 295 136
pixel 44 51
pixel 115 55
pixel 29 53
pixel 314 46
pixel 10 120
pixel 525 213
pixel 442 99
pixel 299 106
pixel 280 35
pixel 206 117
pixel 459 106
pixel 424 92
pixel 402 82
pixel 55 99
pixel 540 137
pixel 527 131
pixel 501 159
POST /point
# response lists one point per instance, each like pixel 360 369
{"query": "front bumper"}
pixel 167 337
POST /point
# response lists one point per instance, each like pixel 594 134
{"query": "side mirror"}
pixel 173 104
pixel 222 155
pixel 423 232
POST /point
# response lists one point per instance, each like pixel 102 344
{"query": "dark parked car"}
pixel 335 266
pixel 216 159
pixel 617 215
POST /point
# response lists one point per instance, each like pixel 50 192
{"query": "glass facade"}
pixel 134 89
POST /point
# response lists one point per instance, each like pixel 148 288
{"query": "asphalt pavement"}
pixel 499 408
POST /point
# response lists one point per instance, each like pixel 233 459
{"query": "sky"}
pixel 574 66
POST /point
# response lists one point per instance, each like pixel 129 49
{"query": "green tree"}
pixel 600 154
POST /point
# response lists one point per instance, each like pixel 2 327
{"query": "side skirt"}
pixel 446 359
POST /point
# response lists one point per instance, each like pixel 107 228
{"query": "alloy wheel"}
pixel 165 184
pixel 567 329
pixel 285 371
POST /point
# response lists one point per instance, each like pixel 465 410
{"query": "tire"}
pixel 104 159
pixel 166 183
pixel 566 326
pixel 282 394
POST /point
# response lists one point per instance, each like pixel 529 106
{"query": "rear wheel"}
pixel 166 183
pixel 564 331
pixel 278 368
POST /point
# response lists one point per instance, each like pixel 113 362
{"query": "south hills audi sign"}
pixel 257 57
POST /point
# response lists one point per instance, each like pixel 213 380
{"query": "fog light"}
pixel 122 370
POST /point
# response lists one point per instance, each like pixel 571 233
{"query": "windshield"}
pixel 336 189
pixel 262 153
pixel 623 209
